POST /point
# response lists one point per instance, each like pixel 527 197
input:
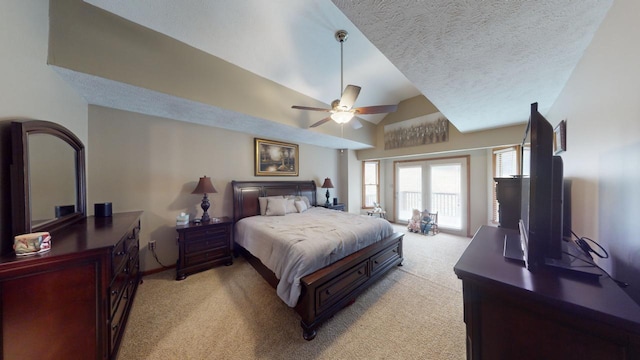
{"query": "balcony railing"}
pixel 446 204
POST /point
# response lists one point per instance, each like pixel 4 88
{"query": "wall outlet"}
pixel 152 245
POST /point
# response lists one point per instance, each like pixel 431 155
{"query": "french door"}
pixel 438 185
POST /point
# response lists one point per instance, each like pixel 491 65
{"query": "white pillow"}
pixel 290 206
pixel 301 206
pixel 276 207
pixel 263 202
pixel 300 198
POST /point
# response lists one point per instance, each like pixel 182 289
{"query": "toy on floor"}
pixel 415 222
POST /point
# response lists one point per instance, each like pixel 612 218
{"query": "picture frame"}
pixel 560 138
pixel 276 158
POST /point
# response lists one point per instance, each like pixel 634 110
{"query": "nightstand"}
pixel 336 207
pixel 203 246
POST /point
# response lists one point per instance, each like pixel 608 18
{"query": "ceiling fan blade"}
pixel 310 108
pixel 321 122
pixel 379 109
pixel 349 97
pixel 355 124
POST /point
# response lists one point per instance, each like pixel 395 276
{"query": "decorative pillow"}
pixel 276 207
pixel 263 203
pixel 300 198
pixel 301 206
pixel 306 201
pixel 290 206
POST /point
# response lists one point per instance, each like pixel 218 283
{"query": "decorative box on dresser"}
pixel 73 301
pixel 203 246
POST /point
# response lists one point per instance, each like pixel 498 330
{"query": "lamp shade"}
pixel 342 117
pixel 204 186
pixel 327 184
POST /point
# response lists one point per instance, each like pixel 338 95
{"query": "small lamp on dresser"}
pixel 327 184
pixel 205 187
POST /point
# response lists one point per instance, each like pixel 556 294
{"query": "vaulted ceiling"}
pixel 481 63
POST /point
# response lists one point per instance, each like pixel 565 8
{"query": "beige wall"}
pixel 141 162
pixel 29 88
pixel 601 103
pixel 420 106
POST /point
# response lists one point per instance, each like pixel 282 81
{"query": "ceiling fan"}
pixel 342 109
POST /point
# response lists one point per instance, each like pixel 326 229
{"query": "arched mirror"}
pixel 47 177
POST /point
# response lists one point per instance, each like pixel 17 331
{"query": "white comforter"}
pixel 298 244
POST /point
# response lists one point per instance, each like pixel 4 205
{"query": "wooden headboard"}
pixel 246 193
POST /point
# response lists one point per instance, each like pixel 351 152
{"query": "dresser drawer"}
pixel 118 257
pixel 117 288
pixel 116 324
pixel 328 294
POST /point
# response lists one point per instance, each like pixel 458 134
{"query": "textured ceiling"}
pixel 481 63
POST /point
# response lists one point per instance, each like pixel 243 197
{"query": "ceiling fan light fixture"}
pixel 342 117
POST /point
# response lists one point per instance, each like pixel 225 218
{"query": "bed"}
pixel 327 290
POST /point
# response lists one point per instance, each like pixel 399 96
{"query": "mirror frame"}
pixel 20 185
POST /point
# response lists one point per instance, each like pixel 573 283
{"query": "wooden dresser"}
pixel 512 313
pixel 72 302
pixel 203 246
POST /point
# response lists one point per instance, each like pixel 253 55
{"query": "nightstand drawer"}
pixel 197 246
pixel 207 256
pixel 208 233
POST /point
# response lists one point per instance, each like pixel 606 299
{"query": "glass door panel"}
pixel 446 195
pixel 409 180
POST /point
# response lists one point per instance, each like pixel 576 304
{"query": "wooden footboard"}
pixel 328 290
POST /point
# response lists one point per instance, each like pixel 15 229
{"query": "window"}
pixel 506 163
pixel 370 183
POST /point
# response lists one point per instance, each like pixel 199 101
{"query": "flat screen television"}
pixel 542 196
pixel 536 213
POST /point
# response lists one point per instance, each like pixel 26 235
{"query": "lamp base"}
pixel 327 204
pixel 205 206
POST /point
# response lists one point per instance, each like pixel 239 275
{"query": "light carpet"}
pixel 414 312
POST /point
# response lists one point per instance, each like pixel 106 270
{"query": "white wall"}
pixel 29 88
pixel 601 103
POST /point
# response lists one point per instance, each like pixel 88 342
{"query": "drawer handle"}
pixel 375 261
pixel 114 327
pixel 120 253
pixel 114 292
pixel 360 272
pixel 328 292
pixel 395 250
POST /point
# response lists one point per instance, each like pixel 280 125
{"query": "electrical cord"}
pixel 155 256
pixel 587 249
pixel 581 244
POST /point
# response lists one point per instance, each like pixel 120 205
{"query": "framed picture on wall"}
pixel 275 158
pixel 560 138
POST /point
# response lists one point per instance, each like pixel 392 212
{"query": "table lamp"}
pixel 327 184
pixel 205 187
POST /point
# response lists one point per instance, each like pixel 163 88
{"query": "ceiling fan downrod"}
pixel 341 36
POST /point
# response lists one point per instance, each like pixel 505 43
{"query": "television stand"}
pixel 513 313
